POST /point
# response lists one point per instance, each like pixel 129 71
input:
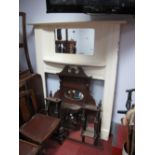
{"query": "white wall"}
pixel 36 13
pixel 126 68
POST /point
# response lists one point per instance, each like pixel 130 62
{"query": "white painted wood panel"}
pixel 102 66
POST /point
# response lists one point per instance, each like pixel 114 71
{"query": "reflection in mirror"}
pixel 74 94
pixel 75 41
pixel 20 30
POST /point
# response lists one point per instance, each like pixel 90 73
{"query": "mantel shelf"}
pixel 47 60
pixel 76 23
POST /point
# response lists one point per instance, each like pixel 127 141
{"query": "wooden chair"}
pixel 24 44
pixel 37 127
pixel 34 82
pixel 27 148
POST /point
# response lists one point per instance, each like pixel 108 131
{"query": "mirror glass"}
pixel 75 41
pixel 73 94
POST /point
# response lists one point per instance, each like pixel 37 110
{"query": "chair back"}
pixel 27 105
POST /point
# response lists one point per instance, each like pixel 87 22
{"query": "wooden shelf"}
pixel 53 99
pixel 90 107
pixel 89 132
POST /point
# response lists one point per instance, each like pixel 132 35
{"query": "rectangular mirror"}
pixel 75 41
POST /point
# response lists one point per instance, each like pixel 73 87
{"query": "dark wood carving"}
pixel 79 112
pixel 74 92
pixel 74 78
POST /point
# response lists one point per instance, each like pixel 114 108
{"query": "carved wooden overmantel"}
pixel 73 78
pixel 102 65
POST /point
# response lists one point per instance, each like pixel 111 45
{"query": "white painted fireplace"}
pixel 102 65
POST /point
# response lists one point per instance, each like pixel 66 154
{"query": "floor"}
pixel 75 147
pixel 70 147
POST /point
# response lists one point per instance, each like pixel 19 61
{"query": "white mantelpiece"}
pixel 103 65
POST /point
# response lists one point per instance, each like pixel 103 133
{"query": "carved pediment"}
pixel 74 86
pixel 73 71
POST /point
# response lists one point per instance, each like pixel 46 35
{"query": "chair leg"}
pixel 83 139
pixel 96 141
pixel 60 135
pixel 42 151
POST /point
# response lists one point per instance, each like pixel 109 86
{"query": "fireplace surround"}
pixel 102 65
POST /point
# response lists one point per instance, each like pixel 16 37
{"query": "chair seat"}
pixel 39 127
pixel 27 148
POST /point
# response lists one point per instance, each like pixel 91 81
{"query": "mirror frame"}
pixel 72 93
pixel 104 32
